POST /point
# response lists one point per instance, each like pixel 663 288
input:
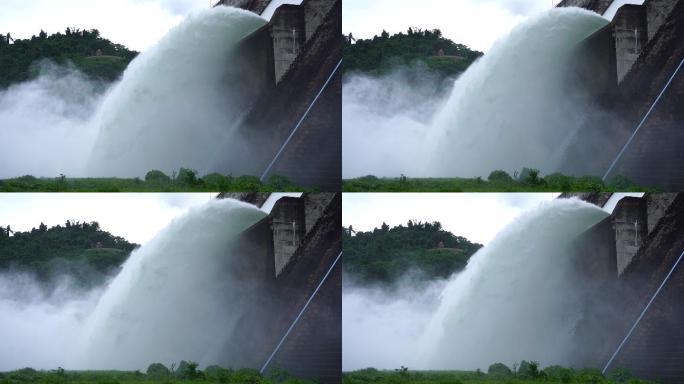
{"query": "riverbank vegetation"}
pixel 386 254
pixel 523 373
pixel 384 53
pixel 185 180
pixel 528 180
pixel 185 372
pixel 82 252
pixel 90 53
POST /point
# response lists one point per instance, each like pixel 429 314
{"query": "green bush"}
pixel 500 177
pixel 158 371
pixel 499 371
pixel 188 370
pixel 530 176
pixel 217 181
pixel 247 183
pixel 528 370
pixel 559 374
pixel 187 177
pixel 620 183
pixel 590 376
pixel 559 182
pixel 621 375
pixel 156 176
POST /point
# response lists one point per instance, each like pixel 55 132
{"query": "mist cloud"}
pixel 45 123
pixel 512 108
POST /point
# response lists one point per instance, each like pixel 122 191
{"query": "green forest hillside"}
pixel 383 53
pixel 386 254
pixel 94 55
pixel 81 251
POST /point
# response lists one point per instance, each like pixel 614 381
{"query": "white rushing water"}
pixel 516 300
pixel 510 109
pixel 177 103
pixel 178 297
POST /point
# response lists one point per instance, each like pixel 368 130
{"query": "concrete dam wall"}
pixel 291 251
pixel 626 66
pixel 623 260
pixel 295 59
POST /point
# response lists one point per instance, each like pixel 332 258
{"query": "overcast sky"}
pixel 136 24
pixel 137 217
pixel 475 23
pixel 475 216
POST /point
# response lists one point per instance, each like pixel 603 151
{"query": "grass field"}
pixel 498 181
pixel 549 375
pixel 209 375
pixel 209 183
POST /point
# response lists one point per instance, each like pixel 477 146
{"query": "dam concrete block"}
pixel 315 205
pixel 287 225
pixel 655 350
pixel 630 224
pixel 657 205
pixel 657 12
pixel 314 14
pixel 631 35
pixel 288 32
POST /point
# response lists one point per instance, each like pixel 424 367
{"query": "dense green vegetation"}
pixel 383 53
pixel 81 251
pixel 186 180
pixel 525 373
pixel 529 180
pixel 185 372
pixel 386 254
pixel 95 56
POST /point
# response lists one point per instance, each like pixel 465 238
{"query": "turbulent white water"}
pixel 510 109
pixel 178 297
pixel 39 329
pixel 45 124
pixel 516 300
pixel 177 103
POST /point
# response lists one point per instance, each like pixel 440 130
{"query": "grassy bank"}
pixel 157 373
pixel 526 373
pixel 529 180
pixel 155 181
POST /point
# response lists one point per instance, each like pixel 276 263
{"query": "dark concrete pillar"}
pixel 288 227
pixel 289 35
pixel 630 225
pixel 631 35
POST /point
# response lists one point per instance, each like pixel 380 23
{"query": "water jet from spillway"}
pixel 177 297
pixel 515 107
pixel 517 299
pixel 178 102
pixel 180 296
